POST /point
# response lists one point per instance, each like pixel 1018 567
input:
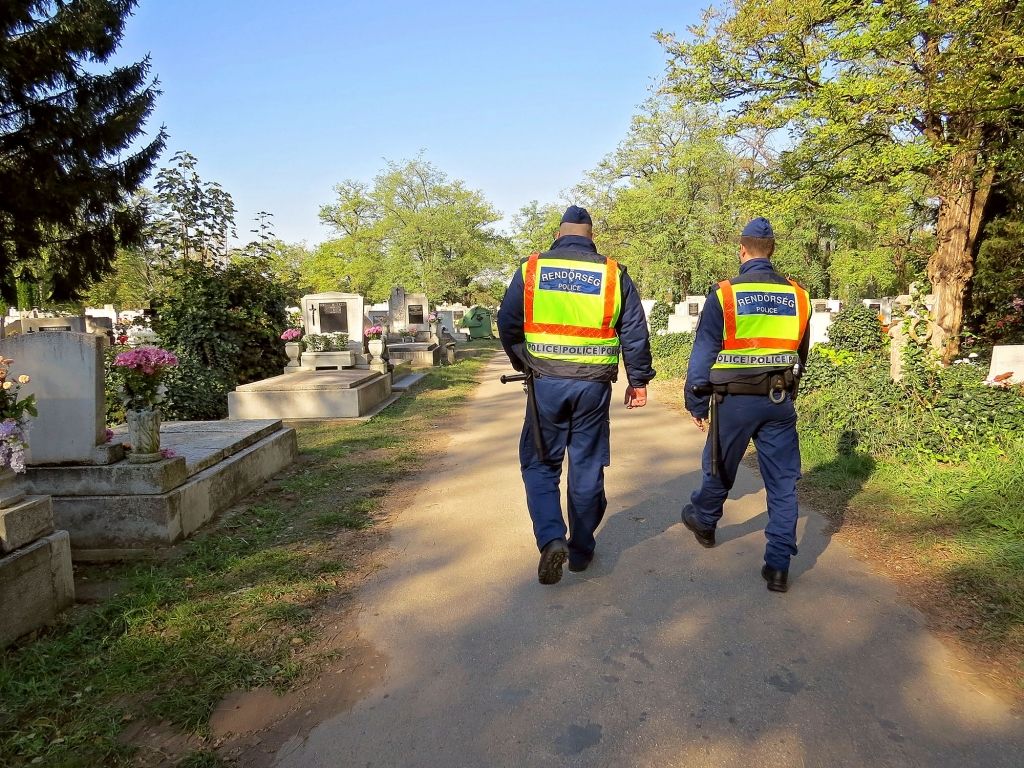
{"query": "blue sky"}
pixel 281 101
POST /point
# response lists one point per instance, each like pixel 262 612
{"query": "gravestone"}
pixel 66 371
pixel 686 315
pixel 409 311
pixel 451 316
pixel 51 324
pixel 379 314
pixel 897 344
pixel 108 312
pixel 1007 358
pixel 822 311
pixel 336 312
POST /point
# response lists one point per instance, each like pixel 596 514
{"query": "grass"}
pixel 233 608
pixel 963 523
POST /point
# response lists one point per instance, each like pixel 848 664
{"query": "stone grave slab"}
pixel 116 512
pixel 36 584
pixel 418 354
pixel 25 522
pixel 349 393
pixel 1007 358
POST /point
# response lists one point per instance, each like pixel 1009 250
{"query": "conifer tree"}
pixel 69 157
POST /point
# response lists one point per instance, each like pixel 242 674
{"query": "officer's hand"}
pixel 701 424
pixel 636 397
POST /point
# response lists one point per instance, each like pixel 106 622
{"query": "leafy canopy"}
pixel 66 171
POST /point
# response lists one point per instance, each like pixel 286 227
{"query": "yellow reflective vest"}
pixel 571 308
pixel 764 324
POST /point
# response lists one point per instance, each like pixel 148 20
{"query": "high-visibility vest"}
pixel 764 324
pixel 571 307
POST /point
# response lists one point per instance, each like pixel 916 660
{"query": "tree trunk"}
pixel 961 210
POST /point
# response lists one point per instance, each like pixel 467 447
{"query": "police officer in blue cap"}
pixel 566 315
pixel 750 347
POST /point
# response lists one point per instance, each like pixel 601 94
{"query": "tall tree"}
pixel 874 91
pixel 66 176
pixel 414 225
pixel 190 219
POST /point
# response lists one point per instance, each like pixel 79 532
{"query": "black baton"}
pixel 531 411
pixel 705 390
pixel 715 449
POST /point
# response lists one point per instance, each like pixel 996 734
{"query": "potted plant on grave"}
pixel 143 370
pixel 14 413
pixel 292 339
pixel 375 343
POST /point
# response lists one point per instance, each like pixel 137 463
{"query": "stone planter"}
pixel 11 489
pixel 294 351
pixel 144 435
pixel 378 349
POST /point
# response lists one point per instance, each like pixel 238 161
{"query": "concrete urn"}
pixel 143 434
pixel 378 349
pixel 294 351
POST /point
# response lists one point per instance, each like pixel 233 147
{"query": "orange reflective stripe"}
pixel 728 310
pixel 529 282
pixel 803 307
pixel 570 330
pixel 611 280
pixel 761 342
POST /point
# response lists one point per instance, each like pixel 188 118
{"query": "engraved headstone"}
pixel 336 312
pixel 66 371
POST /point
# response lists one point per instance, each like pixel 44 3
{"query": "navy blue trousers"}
pixel 574 420
pixel 772 426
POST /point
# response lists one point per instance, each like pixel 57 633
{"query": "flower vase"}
pixel 144 435
pixel 294 351
pixel 378 349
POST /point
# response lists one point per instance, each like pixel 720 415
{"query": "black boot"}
pixel 704 536
pixel 777 580
pixel 552 558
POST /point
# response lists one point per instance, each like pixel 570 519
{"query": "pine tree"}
pixel 68 164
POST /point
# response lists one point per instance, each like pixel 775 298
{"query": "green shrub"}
pixel 659 316
pixel 671 352
pixel 196 392
pixel 851 393
pixel 113 386
pixel 325 342
pixel 225 326
pixel 856 329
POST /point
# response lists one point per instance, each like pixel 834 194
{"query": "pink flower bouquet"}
pixel 375 332
pixel 292 334
pixel 144 369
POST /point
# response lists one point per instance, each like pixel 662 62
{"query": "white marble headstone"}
pixel 67 380
pixel 1007 358
pixel 335 312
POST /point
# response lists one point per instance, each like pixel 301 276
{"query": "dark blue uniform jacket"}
pixel 631 327
pixel 707 342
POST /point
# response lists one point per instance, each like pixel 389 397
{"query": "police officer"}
pixel 750 346
pixel 566 315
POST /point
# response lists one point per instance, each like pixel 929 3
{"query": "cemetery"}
pixel 93 493
pixel 265 502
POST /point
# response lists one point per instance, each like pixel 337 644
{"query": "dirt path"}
pixel 662 654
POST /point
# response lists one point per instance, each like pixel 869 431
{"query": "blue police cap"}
pixel 576 215
pixel 759 227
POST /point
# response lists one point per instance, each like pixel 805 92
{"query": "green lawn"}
pixel 229 609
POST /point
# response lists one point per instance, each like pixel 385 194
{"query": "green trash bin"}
pixel 477 322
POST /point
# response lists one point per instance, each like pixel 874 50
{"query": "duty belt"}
pixel 787 359
pixel 593 350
